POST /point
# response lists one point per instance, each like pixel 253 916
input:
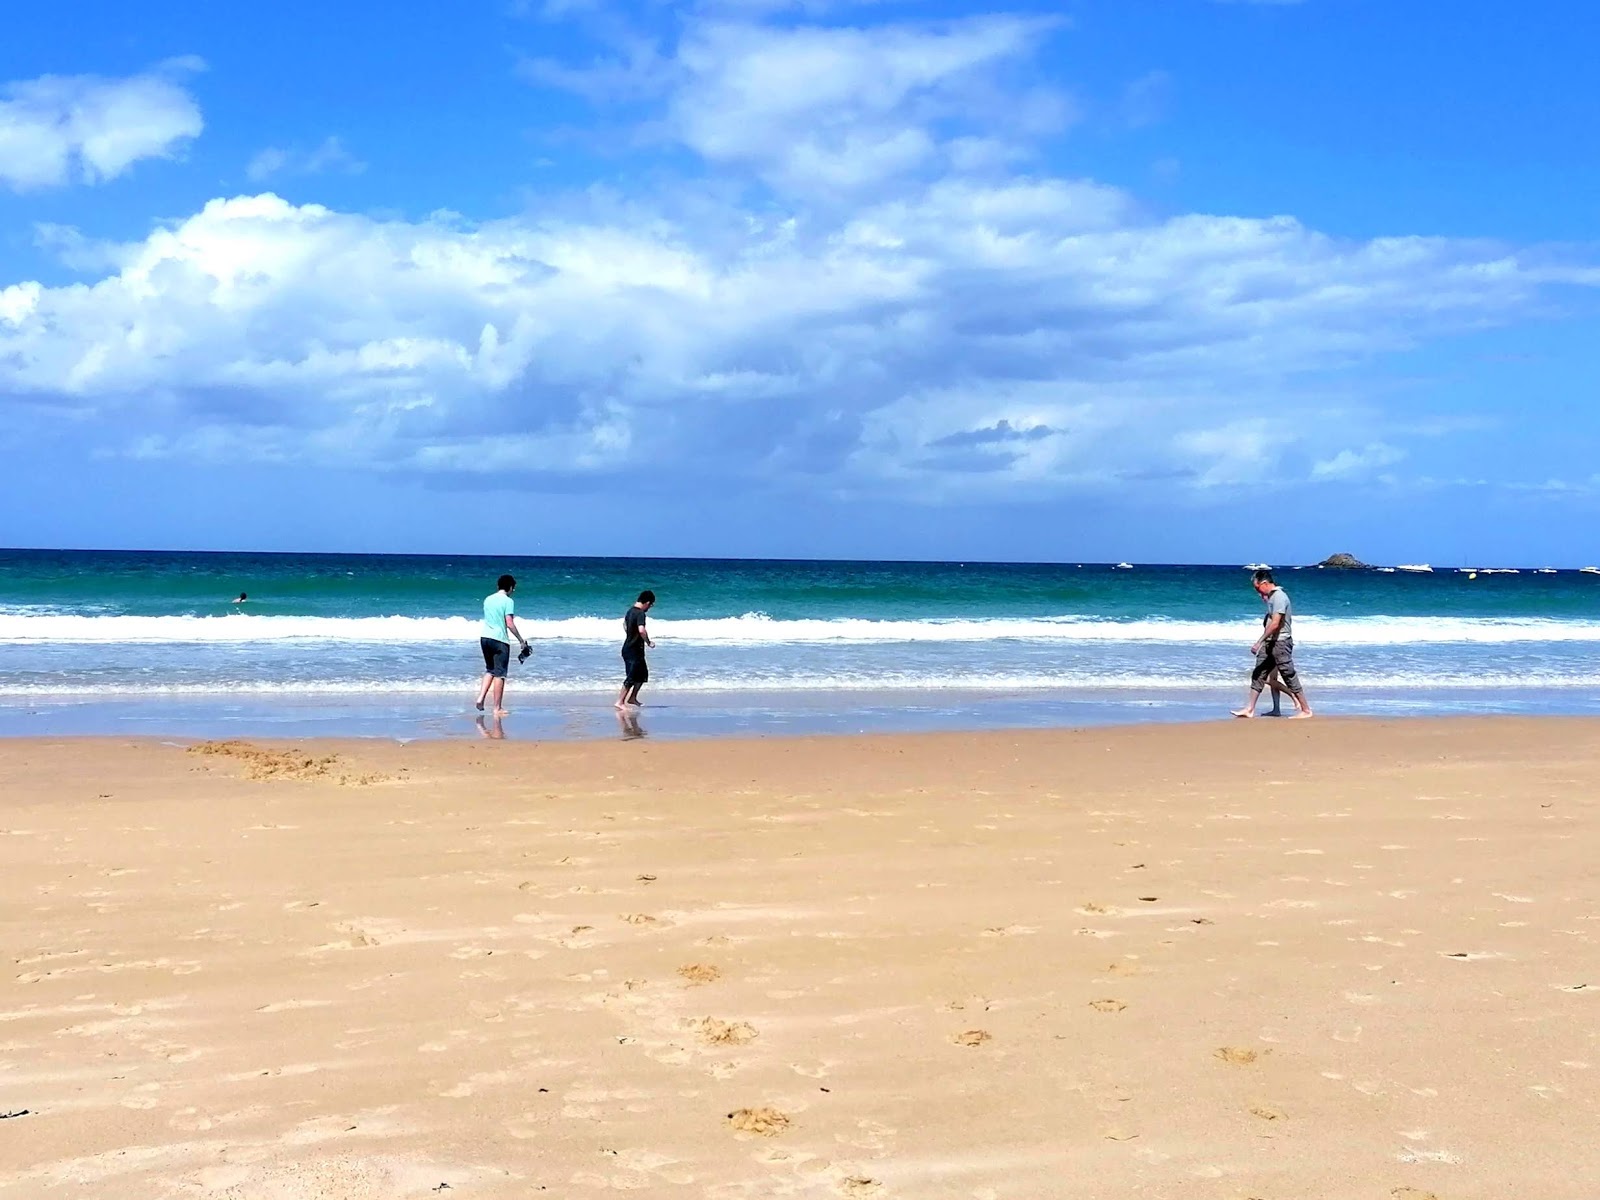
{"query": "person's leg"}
pixel 483 692
pixel 499 693
pixel 1283 660
pixel 1258 680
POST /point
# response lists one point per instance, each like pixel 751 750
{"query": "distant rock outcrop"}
pixel 1343 562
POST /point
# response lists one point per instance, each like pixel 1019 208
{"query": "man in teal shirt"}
pixel 499 627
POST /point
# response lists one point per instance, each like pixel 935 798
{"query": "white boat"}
pixel 1123 567
pixel 1544 570
pixel 1384 570
pixel 1498 571
pixel 1257 567
pixel 1589 570
pixel 1415 568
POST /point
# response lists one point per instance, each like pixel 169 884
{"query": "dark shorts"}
pixel 496 656
pixel 1277 655
pixel 638 670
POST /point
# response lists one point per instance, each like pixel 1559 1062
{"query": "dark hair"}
pixel 1262 575
pixel 244 595
pixel 647 597
pixel 506 583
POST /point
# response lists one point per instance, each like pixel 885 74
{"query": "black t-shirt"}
pixel 633 631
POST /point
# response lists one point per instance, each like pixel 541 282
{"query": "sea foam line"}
pixel 754 629
pixel 1152 685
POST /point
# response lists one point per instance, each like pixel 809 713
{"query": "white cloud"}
pixel 328 156
pixel 59 129
pixel 1352 464
pixel 902 309
pixel 920 340
pixel 827 109
pixel 824 109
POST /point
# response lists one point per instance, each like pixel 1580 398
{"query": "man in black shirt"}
pixel 635 637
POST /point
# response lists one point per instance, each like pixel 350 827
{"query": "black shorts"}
pixel 638 670
pixel 496 656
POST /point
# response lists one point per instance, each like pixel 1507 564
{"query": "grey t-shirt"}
pixel 1278 602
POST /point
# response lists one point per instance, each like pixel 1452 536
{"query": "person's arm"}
pixel 511 624
pixel 1274 623
pixel 645 634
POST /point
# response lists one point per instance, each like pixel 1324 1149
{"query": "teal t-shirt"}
pixel 496 609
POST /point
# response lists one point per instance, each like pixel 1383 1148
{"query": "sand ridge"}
pixel 1321 961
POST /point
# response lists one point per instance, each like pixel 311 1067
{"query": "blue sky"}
pixel 1179 280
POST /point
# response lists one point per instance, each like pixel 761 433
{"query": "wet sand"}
pixel 1326 959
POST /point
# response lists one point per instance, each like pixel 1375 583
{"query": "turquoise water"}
pixel 90 641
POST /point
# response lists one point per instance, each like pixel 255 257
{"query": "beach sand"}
pixel 1285 961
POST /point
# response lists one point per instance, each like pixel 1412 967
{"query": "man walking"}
pixel 635 637
pixel 1274 650
pixel 499 627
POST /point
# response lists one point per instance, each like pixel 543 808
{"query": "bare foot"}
pixel 1300 716
pixel 1245 713
pixel 619 705
pixel 502 712
pixel 479 705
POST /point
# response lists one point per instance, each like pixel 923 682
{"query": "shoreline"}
pixel 670 715
pixel 1188 961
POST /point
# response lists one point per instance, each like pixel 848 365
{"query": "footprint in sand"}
pixel 698 973
pixel 1107 1006
pixel 723 1033
pixel 1239 1056
pixel 1411 1193
pixel 765 1121
pixel 859 1185
pixel 640 919
pixel 969 1002
pixel 1266 1113
pixel 1009 930
pixel 973 1037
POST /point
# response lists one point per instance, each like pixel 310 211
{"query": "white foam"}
pixel 755 629
pixel 1151 685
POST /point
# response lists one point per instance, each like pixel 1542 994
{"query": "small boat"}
pixel 1257 567
pixel 1544 570
pixel 1384 570
pixel 1414 568
pixel 1123 567
pixel 1498 571
pixel 1589 570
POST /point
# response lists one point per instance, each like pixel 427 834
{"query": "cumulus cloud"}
pixel 61 129
pixel 1038 330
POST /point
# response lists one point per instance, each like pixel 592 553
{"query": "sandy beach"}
pixel 1328 959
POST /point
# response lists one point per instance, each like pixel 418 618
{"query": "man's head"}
pixel 1262 582
pixel 646 598
pixel 506 583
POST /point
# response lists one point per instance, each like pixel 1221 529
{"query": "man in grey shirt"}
pixel 1274 650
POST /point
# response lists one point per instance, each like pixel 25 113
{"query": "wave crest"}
pixel 756 629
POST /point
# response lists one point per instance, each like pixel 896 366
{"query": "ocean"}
pixel 386 645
